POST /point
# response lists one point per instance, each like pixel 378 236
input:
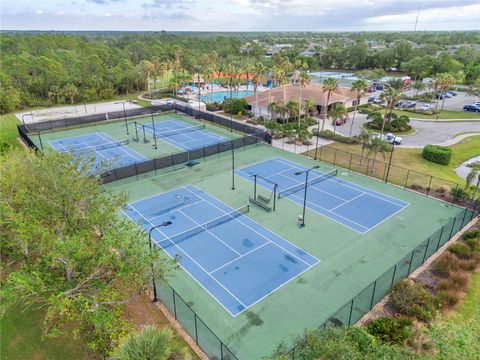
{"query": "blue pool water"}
pixel 219 96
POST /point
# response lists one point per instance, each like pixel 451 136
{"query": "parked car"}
pixel 377 100
pixel 476 103
pixel 406 104
pixel 426 107
pixel 471 108
pixel 370 99
pixel 390 138
pixel 439 96
pixel 377 86
pixel 453 93
pixel 370 89
pixel 447 94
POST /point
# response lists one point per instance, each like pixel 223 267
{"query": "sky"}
pixel 240 15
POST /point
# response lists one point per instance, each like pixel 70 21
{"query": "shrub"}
pixel 447 298
pixel 437 154
pixel 456 281
pixel 463 251
pixel 391 330
pixel 443 189
pixel 471 234
pixel 234 105
pixel 412 299
pixel 459 193
pixel 328 134
pixel 446 264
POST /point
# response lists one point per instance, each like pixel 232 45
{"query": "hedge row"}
pixel 330 135
pixel 437 154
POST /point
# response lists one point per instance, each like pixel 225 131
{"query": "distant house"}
pixel 259 102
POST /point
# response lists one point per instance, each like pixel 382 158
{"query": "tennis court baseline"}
pixel 101 145
pixel 235 259
pixel 352 205
pixel 183 135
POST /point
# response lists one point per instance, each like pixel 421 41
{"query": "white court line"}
pixel 121 147
pixel 178 208
pixel 208 231
pixel 241 256
pixel 176 245
pixel 255 230
pixel 354 186
pixel 346 202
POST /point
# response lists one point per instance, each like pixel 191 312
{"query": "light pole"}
pixel 154 133
pixel 233 163
pixel 166 223
pixel 305 193
pixel 318 135
pixel 390 161
pixel 123 102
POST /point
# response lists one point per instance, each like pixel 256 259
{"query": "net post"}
pixel 144 137
pixel 274 196
pixel 255 187
pixel 136 130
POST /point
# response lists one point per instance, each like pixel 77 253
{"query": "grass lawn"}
pixel 8 129
pixel 457 336
pixel 22 338
pixel 412 158
pixel 444 115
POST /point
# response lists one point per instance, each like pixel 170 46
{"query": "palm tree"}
pixel 329 85
pixel 150 343
pixel 377 145
pixel 272 108
pixel 418 86
pixel 147 67
pixel 360 86
pixel 156 68
pixel 309 106
pixel 292 108
pixel 304 80
pixel 249 71
pixel 390 95
pixel 282 111
pixel 338 111
pixel 208 75
pixel 445 81
pixel 196 70
pixel 364 137
pixel 259 78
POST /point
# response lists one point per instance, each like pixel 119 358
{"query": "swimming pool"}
pixel 219 96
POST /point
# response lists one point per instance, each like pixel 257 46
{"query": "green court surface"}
pixel 349 261
pixel 117 130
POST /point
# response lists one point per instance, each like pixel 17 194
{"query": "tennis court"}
pixel 181 134
pixel 354 206
pixel 100 145
pixel 235 259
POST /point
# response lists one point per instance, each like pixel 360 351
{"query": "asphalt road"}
pixel 428 132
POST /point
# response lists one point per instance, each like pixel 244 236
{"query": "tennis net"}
pixel 169 241
pixel 93 148
pixel 159 134
pixel 298 187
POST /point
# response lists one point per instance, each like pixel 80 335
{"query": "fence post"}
pixel 373 294
pixel 453 226
pixel 463 220
pixel 429 185
pixel 406 179
pixel 410 264
pixel 456 192
pixel 136 170
pixel 426 249
pixel 393 277
pixel 335 157
pixel 196 331
pixel 350 163
pixel 368 166
pixel 351 310
pixel 174 304
pixel 440 238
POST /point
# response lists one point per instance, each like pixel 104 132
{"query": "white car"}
pixel 390 138
pixel 426 107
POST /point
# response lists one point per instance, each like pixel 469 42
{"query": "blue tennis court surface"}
pixel 101 145
pixel 352 205
pixel 235 259
pixel 183 135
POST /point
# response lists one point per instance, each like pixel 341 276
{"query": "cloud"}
pixel 168 3
pixel 104 2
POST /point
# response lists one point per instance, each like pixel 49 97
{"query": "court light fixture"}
pixel 305 193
